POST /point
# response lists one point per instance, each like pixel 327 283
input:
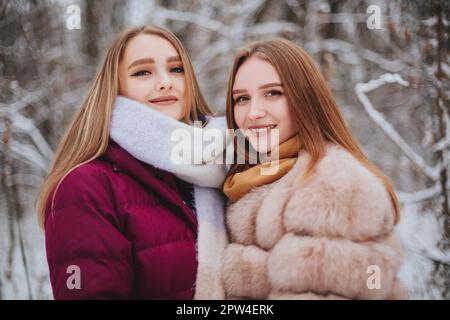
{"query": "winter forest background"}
pixel 391 81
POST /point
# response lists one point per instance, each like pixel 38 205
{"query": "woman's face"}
pixel 260 105
pixel 152 73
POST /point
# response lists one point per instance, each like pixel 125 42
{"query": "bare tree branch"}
pixel 361 90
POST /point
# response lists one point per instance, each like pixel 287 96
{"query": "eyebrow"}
pixel 173 59
pixel 151 61
pixel 264 86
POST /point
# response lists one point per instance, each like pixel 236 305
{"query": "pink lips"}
pixel 261 130
pixel 164 100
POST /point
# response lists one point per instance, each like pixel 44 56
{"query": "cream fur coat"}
pixel 316 239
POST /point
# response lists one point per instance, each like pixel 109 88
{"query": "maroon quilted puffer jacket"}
pixel 124 229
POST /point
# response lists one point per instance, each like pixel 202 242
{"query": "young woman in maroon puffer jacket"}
pixel 115 227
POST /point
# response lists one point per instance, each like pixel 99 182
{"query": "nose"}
pixel 164 82
pixel 256 111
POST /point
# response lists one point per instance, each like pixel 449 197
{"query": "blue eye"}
pixel 177 70
pixel 141 73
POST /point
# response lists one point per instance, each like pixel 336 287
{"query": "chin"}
pixel 260 146
pixel 173 113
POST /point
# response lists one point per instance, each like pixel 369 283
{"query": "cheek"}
pixel 288 124
pixel 280 112
pixel 239 116
pixel 138 89
pixel 180 84
pixel 123 88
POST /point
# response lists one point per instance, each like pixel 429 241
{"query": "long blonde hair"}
pixel 311 104
pixel 88 134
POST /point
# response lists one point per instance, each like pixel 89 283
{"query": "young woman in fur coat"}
pixel 322 225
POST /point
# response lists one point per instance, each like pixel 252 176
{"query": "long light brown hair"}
pixel 88 134
pixel 311 105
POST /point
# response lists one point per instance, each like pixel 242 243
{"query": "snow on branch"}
pixel 409 198
pixel 361 90
pixel 22 124
pixel 24 101
pixel 272 27
pixel 436 255
pixel 348 53
pixel 444 143
pixel 201 21
pixel 263 28
pixel 245 6
pixel 26 180
pixel 29 154
pixel 346 17
pixel 211 52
